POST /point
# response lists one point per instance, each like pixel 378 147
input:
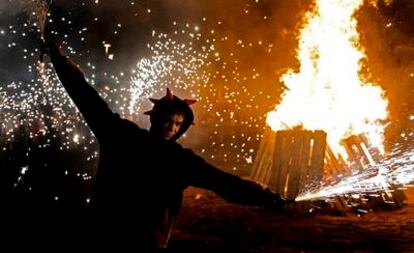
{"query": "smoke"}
pixel 386 32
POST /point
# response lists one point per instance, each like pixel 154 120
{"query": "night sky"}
pixel 245 46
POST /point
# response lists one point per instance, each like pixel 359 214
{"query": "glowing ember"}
pixel 327 93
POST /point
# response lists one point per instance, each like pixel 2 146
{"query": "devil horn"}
pixel 190 101
pixel 170 95
pixel 154 100
pixel 149 112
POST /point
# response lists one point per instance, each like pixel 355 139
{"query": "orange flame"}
pixel 327 92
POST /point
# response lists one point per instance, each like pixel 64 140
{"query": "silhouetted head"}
pixel 171 116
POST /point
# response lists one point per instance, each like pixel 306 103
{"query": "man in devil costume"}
pixel 142 174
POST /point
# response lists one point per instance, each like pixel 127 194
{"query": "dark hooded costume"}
pixel 170 105
pixel 140 179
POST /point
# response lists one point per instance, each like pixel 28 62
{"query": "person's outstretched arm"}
pixel 94 109
pixel 230 187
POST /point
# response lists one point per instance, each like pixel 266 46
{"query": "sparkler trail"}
pixel 389 174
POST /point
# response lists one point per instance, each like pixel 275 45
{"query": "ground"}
pixel 209 224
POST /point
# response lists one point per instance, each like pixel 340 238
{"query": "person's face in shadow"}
pixel 171 125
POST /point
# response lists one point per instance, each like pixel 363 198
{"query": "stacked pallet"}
pixel 293 161
pixel 363 157
pixel 287 161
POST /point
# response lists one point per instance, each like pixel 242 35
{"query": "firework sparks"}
pixel 37 11
pixel 192 58
pixel 395 171
pixel 173 64
pixel 203 62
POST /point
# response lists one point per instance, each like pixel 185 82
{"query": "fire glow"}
pixel 327 93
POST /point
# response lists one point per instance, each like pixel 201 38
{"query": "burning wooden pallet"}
pixel 289 160
pixel 363 157
pixel 292 161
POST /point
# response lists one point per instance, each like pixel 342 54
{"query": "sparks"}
pixel 379 178
pixel 172 63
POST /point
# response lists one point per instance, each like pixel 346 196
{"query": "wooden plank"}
pixel 305 159
pixel 374 151
pixel 343 165
pixel 337 168
pixel 332 160
pixel 318 155
pixel 362 156
pixel 262 166
pixel 287 151
pixel 269 154
pixel 304 168
pixel 330 168
pixel 294 165
pixel 277 159
pixel 353 155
